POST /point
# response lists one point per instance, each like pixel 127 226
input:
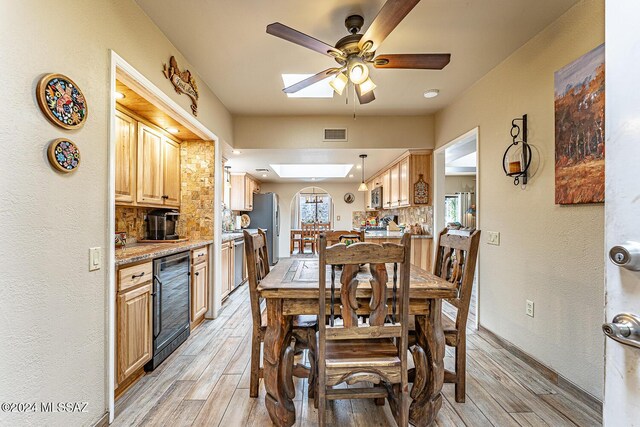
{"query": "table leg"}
pixel 278 365
pixel 429 361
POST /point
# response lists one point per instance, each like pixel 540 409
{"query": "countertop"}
pixel 141 251
pixel 383 234
pixel 233 235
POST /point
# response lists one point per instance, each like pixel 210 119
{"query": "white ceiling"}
pixel 461 158
pixel 250 160
pixel 227 43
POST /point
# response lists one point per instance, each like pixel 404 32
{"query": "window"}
pixel 315 208
pixel 451 209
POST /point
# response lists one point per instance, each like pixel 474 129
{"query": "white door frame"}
pixel 135 80
pixel 439 193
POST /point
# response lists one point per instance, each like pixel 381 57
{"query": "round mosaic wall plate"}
pixel 64 155
pixel 62 101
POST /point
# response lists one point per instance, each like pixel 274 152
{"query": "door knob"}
pixel 627 256
pixel 625 328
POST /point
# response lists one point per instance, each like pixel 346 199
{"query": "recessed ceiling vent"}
pixel 262 170
pixel 335 134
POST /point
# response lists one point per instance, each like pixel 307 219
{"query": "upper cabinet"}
pixel 398 179
pixel 171 173
pixel 150 168
pixel 243 186
pixel 126 131
pixel 147 165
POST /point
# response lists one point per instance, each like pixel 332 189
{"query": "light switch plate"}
pixel 338 218
pixel 95 259
pixel 493 238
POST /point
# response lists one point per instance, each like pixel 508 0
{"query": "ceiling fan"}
pixel 356 51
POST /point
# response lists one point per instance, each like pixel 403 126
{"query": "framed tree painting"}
pixel 579 130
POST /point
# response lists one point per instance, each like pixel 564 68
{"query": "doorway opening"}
pixel 311 212
pixel 126 78
pixel 456 199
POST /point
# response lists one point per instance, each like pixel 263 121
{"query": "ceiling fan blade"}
pixel 311 80
pixel 366 98
pixel 423 61
pixel 391 14
pixel 294 36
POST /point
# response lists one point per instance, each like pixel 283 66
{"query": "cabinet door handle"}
pixel 197 273
pixel 165 197
pixel 135 276
pixel 199 255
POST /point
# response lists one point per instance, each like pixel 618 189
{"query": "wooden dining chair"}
pixel 296 240
pixel 304 327
pixel 374 351
pixel 341 236
pixel 456 256
pixel 309 236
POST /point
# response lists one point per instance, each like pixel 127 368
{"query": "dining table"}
pixel 291 288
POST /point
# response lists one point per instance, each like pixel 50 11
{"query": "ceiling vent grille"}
pixel 335 134
pixel 262 170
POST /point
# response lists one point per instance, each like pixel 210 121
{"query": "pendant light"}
pixel 363 186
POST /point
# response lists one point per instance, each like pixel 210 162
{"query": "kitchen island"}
pixel 421 254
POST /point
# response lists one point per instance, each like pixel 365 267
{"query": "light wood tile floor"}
pixel 206 382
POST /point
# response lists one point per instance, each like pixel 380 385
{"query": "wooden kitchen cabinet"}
pixel 403 183
pixel 199 285
pixel 226 266
pixel 243 186
pixel 147 164
pixel 150 168
pixel 126 140
pixel 398 178
pixel 394 183
pixel 134 333
pixel 386 189
pixel 171 173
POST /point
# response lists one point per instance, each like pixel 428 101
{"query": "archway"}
pixel 310 205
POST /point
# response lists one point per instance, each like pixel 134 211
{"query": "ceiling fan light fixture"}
pixel 367 86
pixel 339 82
pixel 358 70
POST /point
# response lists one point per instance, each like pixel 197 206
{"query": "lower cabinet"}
pixel 226 265
pixel 199 285
pixel 420 250
pixel 134 323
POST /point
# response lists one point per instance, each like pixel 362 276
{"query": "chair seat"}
pixel 377 353
pixel 301 321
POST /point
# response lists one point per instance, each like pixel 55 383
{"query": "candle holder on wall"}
pixel 517 157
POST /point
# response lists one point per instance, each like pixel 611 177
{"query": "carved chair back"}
pixel 456 258
pixel 380 323
pixel 337 236
pixel 257 253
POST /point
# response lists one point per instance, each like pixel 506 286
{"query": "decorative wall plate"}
pixel 62 101
pixel 64 155
pixel 245 220
pixel 349 198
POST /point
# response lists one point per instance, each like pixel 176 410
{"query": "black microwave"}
pixel 376 198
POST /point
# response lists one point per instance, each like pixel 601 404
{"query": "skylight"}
pixel 316 90
pixel 312 171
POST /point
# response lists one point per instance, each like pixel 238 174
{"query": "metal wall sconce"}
pixel 517 157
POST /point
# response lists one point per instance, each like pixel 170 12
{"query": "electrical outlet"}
pixel 95 259
pixel 529 309
pixel 338 218
pixel 493 238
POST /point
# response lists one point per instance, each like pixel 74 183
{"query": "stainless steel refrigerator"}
pixel 266 214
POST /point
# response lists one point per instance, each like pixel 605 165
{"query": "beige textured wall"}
pixel 54 321
pixel 550 254
pixel 459 183
pixel 307 131
pixel 344 210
